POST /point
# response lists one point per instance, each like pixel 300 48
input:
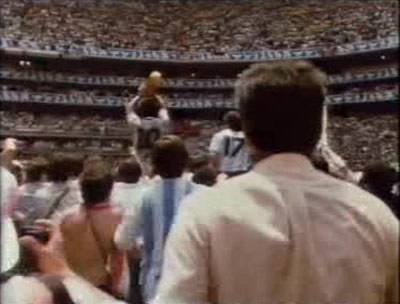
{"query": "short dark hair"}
pixel 379 178
pixel 59 168
pixel 200 161
pixel 35 169
pixel 232 119
pixel 149 106
pixel 63 166
pixel 169 157
pixel 281 106
pixel 76 162
pixel 96 183
pixel 129 171
pixel 205 176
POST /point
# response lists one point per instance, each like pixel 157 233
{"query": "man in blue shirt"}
pixel 153 217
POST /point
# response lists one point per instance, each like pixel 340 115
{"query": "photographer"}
pixel 53 281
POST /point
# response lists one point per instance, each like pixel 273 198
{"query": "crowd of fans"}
pixel 120 81
pixel 360 138
pixel 75 124
pixel 183 100
pixel 195 26
pixel 78 230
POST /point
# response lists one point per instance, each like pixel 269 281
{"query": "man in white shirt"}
pixel 127 190
pixel 229 148
pixel 284 232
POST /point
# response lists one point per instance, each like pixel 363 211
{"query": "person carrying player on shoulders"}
pixel 147 114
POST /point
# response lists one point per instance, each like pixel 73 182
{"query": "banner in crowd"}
pixel 73 51
pixel 202 102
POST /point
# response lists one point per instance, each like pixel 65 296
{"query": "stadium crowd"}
pixel 359 138
pixel 195 26
pixel 190 232
pixel 120 81
pixel 184 100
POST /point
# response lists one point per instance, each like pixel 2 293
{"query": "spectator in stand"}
pixel 195 26
pixel 154 216
pixel 279 216
pixel 380 179
pixel 88 230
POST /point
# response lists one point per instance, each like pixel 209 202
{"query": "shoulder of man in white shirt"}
pixel 232 193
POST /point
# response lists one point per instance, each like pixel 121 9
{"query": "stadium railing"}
pixel 120 81
pixel 33 48
pixel 178 103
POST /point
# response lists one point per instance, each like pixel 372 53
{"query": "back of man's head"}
pixel 96 183
pixel 59 168
pixel 149 106
pixel 169 157
pixel 200 161
pixel 281 106
pixel 205 176
pixel 232 119
pixel 129 171
pixel 36 169
pixel 380 178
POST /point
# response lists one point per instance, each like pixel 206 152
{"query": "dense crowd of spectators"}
pixel 121 81
pixel 360 138
pixel 40 122
pixel 193 26
pixel 268 186
pixel 184 100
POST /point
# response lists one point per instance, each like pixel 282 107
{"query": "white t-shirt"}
pixel 230 146
pixel 150 130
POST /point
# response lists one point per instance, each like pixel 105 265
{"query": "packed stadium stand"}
pixel 128 175
pixel 70 66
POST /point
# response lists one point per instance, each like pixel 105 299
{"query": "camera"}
pixel 38 233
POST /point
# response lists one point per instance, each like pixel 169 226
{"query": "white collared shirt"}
pixel 126 195
pixel 284 232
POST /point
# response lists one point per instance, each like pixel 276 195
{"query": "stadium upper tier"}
pixel 259 30
pixel 32 75
pixel 185 100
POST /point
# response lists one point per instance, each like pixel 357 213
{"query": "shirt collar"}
pixel 284 163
